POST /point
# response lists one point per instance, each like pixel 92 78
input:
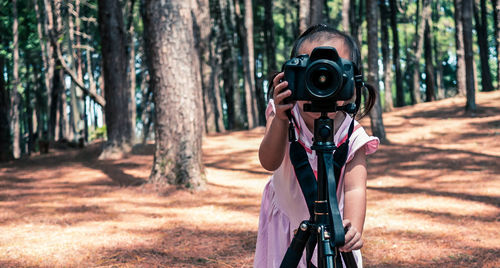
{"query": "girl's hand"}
pixel 352 237
pixel 280 92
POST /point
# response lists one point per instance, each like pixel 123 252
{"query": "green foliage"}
pixel 98 133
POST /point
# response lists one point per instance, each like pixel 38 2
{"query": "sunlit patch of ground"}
pixel 433 200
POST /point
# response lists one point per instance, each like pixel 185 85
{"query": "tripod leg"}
pixel 296 248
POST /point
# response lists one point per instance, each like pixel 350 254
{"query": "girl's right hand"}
pixel 281 92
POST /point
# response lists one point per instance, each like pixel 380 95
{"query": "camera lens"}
pixel 323 78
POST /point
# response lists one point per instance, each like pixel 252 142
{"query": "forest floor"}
pixel 433 200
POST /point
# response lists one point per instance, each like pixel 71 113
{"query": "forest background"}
pixel 77 73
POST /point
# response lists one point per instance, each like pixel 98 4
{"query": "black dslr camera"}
pixel 322 78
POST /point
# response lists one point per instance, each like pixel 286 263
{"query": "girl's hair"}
pixel 320 32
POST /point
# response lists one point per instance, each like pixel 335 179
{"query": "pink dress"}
pixel 283 206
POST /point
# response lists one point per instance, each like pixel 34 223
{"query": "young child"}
pixel 283 206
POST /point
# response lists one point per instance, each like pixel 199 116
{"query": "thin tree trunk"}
pixel 76 94
pixel 467 6
pixel 50 70
pixel 396 59
pixel 429 65
pixel 203 44
pixel 316 14
pixel 245 31
pixel 132 110
pixel 346 11
pixel 438 55
pixel 5 141
pixel 482 41
pixel 418 47
pixel 14 95
pixel 114 58
pixel 377 124
pixel 459 45
pixel 231 22
pixel 270 36
pixel 176 85
pixel 304 11
pixel 496 22
pixel 386 58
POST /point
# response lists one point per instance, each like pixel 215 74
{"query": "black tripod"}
pixel 326 223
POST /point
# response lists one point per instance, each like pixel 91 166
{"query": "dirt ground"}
pixel 433 200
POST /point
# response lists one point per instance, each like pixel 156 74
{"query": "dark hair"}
pixel 320 32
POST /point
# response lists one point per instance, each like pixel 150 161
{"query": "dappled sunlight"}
pixel 433 200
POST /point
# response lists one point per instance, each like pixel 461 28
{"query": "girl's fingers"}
pixel 278 99
pixel 277 89
pixel 277 78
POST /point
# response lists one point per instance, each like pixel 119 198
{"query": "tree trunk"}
pixel 418 45
pixel 117 94
pixel 304 17
pixel 245 31
pixel 203 44
pixel 482 41
pixel 5 141
pixel 429 65
pixel 269 36
pixel 346 11
pixel 496 22
pixel 459 44
pixel 386 58
pixel 175 80
pixel 396 59
pixel 14 95
pixel 132 77
pixel 377 124
pixel 316 14
pixel 438 54
pixel 467 6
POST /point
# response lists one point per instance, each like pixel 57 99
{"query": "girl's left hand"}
pixel 353 238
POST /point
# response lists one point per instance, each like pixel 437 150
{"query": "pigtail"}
pixel 370 96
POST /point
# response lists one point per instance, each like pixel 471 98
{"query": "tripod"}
pixel 326 223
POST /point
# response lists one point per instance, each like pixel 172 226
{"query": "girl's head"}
pixel 346 46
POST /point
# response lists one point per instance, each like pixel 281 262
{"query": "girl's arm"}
pixel 355 200
pixel 272 147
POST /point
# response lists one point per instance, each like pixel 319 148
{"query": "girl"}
pixel 283 206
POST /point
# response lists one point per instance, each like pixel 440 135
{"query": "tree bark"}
pixel 429 65
pixel 377 124
pixel 114 59
pixel 14 95
pixel 467 6
pixel 304 11
pixel 496 22
pixel 418 45
pixel 5 138
pixel 175 80
pixel 346 11
pixel 386 58
pixel 203 44
pixel 269 36
pixel 132 77
pixel 459 45
pixel 316 14
pixel 482 41
pixel 245 31
pixel 396 58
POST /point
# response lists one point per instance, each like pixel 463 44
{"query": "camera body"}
pixel 322 77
